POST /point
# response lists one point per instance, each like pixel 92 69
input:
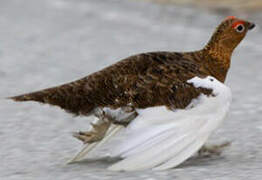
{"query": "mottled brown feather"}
pixel 144 80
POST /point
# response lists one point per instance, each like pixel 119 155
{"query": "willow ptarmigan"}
pixel 169 102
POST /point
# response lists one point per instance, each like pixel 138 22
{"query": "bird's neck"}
pixel 216 60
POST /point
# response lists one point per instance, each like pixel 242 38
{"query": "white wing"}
pixel 162 139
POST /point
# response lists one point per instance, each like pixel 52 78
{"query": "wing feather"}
pixel 184 154
pixel 151 145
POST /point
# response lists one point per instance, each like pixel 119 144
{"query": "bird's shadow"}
pixel 191 162
pixel 94 162
pixel 201 161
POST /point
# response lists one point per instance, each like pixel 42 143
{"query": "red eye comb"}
pixel 230 17
pixel 237 23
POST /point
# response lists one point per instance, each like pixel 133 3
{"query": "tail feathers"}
pixel 68 97
pixel 43 96
pixel 36 96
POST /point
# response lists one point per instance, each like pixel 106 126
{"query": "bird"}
pixel 117 94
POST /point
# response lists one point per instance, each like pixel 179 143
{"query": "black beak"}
pixel 251 26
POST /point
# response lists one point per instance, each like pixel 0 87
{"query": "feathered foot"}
pixel 99 128
pixel 210 150
pixel 125 121
pixel 102 130
pixel 96 134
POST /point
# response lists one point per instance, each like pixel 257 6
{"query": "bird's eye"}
pixel 240 28
pixel 211 79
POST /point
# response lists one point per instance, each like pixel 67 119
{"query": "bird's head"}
pixel 217 53
pixel 229 34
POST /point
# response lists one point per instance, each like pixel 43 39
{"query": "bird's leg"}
pixel 103 122
pixel 98 130
pixel 209 150
pixel 125 116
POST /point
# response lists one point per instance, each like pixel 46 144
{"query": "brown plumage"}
pixel 149 79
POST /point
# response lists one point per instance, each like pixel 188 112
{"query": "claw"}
pixel 96 134
pixel 85 137
pixel 90 147
pixel 207 151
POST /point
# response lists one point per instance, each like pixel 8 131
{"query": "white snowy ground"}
pixel 48 42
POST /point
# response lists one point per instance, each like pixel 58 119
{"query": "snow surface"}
pixel 45 43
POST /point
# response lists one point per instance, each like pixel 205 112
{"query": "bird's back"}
pixel 144 80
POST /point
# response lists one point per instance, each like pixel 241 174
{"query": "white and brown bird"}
pixel 165 96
